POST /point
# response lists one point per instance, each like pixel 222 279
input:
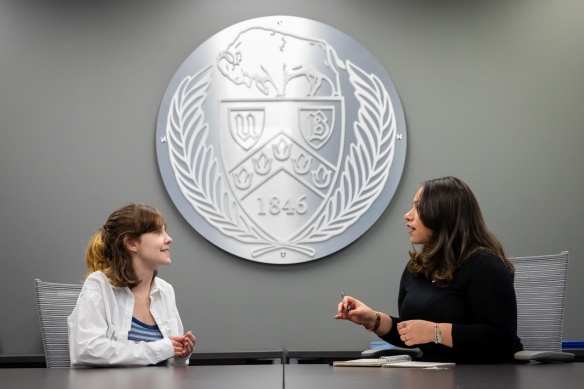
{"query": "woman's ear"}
pixel 131 244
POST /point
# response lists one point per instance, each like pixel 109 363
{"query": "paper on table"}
pixel 360 362
pixel 422 364
pixel 391 361
pixel 374 361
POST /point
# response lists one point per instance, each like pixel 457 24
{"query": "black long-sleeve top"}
pixel 480 303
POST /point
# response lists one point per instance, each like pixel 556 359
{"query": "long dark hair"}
pixel 107 250
pixel 448 207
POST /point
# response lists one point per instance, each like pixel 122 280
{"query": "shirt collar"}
pixel 156 287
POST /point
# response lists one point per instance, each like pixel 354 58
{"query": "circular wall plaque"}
pixel 281 140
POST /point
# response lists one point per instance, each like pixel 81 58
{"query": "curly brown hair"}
pixel 448 207
pixel 107 250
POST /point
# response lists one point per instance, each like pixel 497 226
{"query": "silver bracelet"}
pixel 437 334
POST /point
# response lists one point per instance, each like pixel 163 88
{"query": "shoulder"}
pixel 486 259
pixel 96 287
pixel 97 283
pixel 97 278
pixel 485 264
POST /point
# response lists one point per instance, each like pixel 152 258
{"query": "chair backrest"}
pixel 55 302
pixel 540 286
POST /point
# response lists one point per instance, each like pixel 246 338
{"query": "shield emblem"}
pixel 283 171
pixel 316 124
pixel 246 126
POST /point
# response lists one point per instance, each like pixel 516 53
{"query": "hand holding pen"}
pixel 347 306
pixel 354 310
pixel 344 308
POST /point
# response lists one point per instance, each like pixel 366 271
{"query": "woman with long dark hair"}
pixel 456 298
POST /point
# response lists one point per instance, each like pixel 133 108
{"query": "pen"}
pixel 348 306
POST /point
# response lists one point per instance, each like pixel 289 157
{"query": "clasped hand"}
pixel 183 345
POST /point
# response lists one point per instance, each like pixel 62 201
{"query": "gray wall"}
pixel 492 92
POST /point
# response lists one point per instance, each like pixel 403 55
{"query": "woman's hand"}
pixel 183 345
pixel 413 332
pixel 189 343
pixel 354 310
pixel 178 344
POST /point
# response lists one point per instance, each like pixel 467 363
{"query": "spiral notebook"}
pixel 391 361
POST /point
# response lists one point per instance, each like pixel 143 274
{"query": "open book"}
pixel 392 361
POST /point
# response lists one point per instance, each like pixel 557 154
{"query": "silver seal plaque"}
pixel 281 140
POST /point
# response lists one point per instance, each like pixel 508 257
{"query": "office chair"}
pixel 540 287
pixel 55 302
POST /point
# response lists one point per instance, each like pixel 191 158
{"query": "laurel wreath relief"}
pixel 198 174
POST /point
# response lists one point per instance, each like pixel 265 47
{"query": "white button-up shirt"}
pixel 101 320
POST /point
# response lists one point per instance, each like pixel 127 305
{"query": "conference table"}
pixel 156 377
pixel 300 376
pixel 508 376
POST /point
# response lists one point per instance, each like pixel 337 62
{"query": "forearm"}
pixel 445 333
pixel 107 352
pixel 385 324
pixel 409 333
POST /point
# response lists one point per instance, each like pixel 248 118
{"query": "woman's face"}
pixel 151 249
pixel 419 233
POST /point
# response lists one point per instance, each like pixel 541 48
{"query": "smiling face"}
pixel 419 233
pixel 151 250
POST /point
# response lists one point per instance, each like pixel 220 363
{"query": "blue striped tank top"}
pixel 142 332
